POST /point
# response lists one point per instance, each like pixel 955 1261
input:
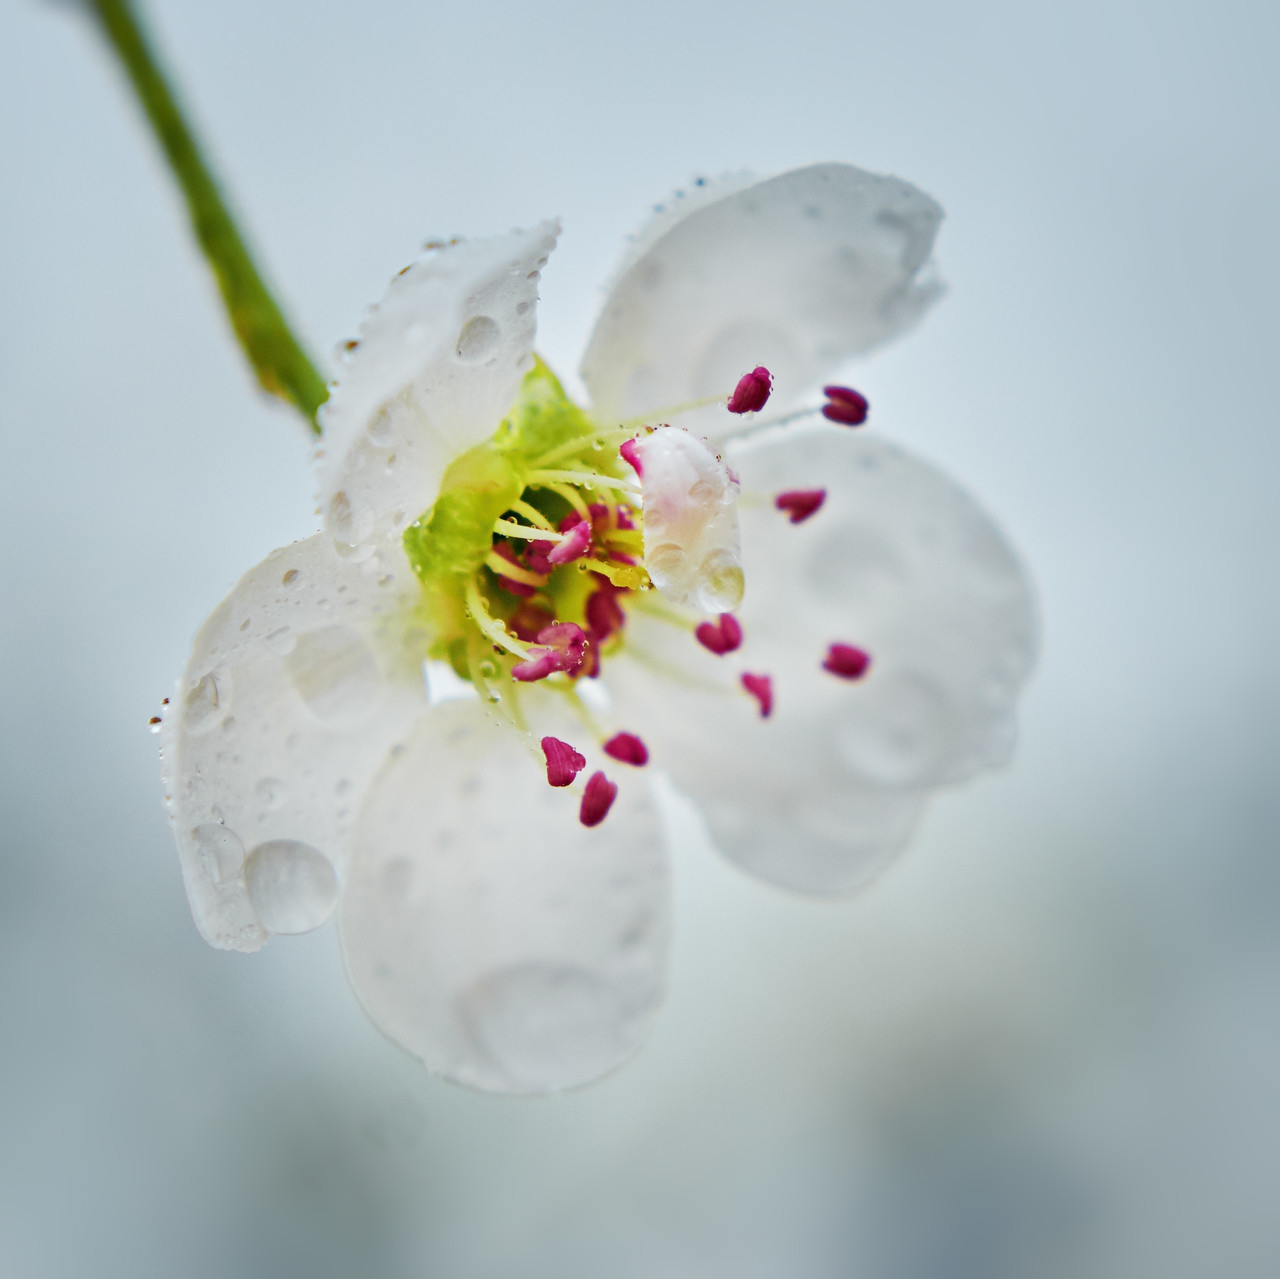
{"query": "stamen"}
pixel 570 495
pixel 800 503
pixel 627 748
pixel 845 405
pixel 846 661
pixel 512 575
pixel 752 392
pixel 720 637
pixel 576 542
pixel 586 479
pixel 604 614
pixel 585 444
pixel 531 513
pixel 563 762
pixel 491 628
pixel 528 620
pixel 631 456
pixel 561 647
pixel 761 688
pixel 597 799
pixel 509 528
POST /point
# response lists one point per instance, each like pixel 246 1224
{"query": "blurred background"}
pixel 1047 1043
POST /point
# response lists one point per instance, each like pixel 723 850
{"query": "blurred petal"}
pixel 486 931
pixel 900 562
pixel 298 684
pixel 796 273
pixel 436 366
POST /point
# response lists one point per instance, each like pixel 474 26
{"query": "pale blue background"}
pixel 1047 1043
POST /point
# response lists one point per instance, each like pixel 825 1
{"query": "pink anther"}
pixel 721 636
pixel 846 661
pixel 597 800
pixel 527 621
pixel 752 392
pixel 630 454
pixel 761 688
pixel 845 405
pixel 604 614
pixel 573 546
pixel 536 557
pixel 628 749
pixel 799 504
pixel 563 762
pixel 561 647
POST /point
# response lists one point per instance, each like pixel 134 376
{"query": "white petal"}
pixel 437 365
pixel 485 930
pixel 298 684
pixel 899 562
pixel 798 273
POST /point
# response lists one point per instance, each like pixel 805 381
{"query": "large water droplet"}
pixel 665 561
pixel 547 1026
pixel 350 523
pixel 334 673
pixel 204 702
pixel 292 886
pixel 220 850
pixel 720 582
pixel 478 339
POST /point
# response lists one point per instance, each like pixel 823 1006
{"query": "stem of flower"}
pixel 279 362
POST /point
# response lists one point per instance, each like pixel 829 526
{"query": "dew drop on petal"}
pixel 547 1026
pixel 220 850
pixel 720 582
pixel 478 339
pixel 291 885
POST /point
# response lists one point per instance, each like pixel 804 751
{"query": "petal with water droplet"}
pixel 438 364
pixel 489 933
pixel 312 723
pixel 797 273
pixel 899 561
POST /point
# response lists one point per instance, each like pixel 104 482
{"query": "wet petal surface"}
pixel 435 367
pixel 486 930
pixel 900 562
pixel 797 273
pixel 298 684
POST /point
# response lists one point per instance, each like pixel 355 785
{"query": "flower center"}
pixel 532 548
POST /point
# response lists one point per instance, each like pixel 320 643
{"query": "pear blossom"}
pixel 441 714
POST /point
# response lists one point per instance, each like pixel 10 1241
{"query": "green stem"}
pixel 279 361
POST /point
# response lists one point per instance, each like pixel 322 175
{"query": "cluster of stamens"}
pixel 528 587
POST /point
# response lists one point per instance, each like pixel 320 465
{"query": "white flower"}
pixel 510 932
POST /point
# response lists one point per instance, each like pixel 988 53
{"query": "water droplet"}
pixel 547 1026
pixel 349 523
pixel 292 886
pixel 203 703
pixel 271 793
pixel 478 339
pixel 334 672
pixel 665 560
pixel 155 723
pixel 720 582
pixel 220 850
pixel 290 577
